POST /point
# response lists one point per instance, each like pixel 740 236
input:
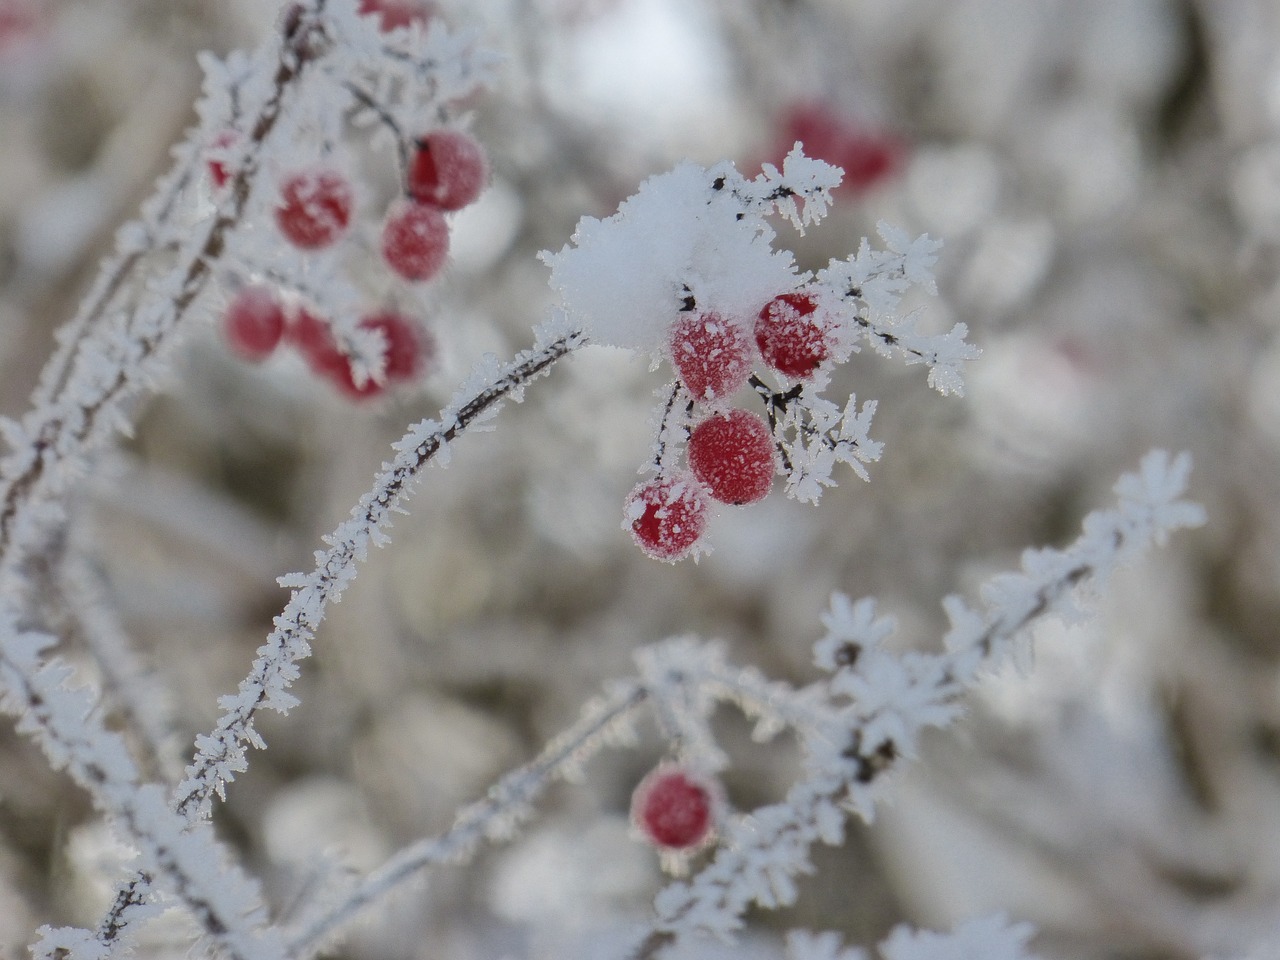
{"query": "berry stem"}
pixel 773 403
pixel 381 112
pixel 664 425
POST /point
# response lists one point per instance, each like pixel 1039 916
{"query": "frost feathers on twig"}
pixel 63 719
pixel 877 279
pixel 857 724
pixel 221 755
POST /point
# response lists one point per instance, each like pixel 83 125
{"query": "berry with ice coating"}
pixel 254 322
pixel 667 515
pixel 448 170
pixel 674 808
pixel 408 347
pixel 791 339
pixel 314 208
pixel 733 455
pixel 415 240
pixel 712 355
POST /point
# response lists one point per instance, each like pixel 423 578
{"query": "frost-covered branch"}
pixel 868 716
pixel 108 356
pixel 222 754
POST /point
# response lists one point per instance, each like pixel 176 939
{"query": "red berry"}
pixel 20 21
pixel 733 455
pixel 254 322
pixel 667 515
pixel 220 171
pixel 394 14
pixel 711 354
pixel 448 170
pixel 415 240
pixel 409 347
pixel 314 340
pixel 674 808
pixel 314 209
pixel 866 155
pixel 791 339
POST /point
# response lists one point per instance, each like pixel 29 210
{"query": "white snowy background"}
pixel 1105 177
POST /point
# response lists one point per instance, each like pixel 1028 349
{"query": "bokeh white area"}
pixel 1105 175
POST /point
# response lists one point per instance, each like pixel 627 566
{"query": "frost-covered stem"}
pixel 65 723
pixel 86 384
pixel 504 803
pixel 774 403
pixel 221 754
pixel 128 684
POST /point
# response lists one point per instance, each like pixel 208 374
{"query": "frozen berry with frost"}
pixel 254 322
pixel 415 240
pixel 712 355
pixel 675 808
pixel 792 334
pixel 314 208
pixel 409 348
pixel 667 515
pixel 448 170
pixel 733 455
pixel 394 14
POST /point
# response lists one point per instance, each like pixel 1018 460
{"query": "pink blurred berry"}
pixel 712 355
pixel 314 208
pixel 408 351
pixel 415 240
pixel 254 322
pixel 674 808
pixel 791 339
pixel 394 14
pixel 448 170
pixel 733 455
pixel 868 156
pixel 667 515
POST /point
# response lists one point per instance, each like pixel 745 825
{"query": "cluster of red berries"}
pixel 257 321
pixel 732 455
pixel 447 171
pixel 674 808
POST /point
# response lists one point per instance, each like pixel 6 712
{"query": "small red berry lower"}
pixel 667 515
pixel 674 809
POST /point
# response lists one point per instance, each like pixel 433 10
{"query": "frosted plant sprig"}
pixel 813 435
pixel 108 357
pixel 876 280
pixel 868 715
pixel 222 754
pixel 989 937
pixel 64 721
pixel 129 687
